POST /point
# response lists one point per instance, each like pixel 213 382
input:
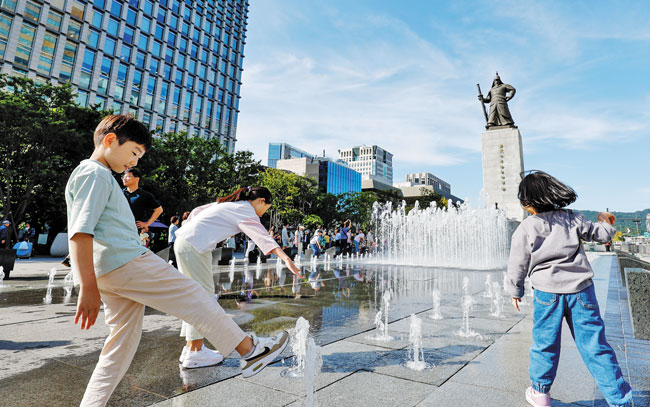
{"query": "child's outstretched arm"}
pixel 518 264
pixel 81 253
pixel 601 231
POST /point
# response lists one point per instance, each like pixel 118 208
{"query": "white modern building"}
pixel 426 178
pixel 373 162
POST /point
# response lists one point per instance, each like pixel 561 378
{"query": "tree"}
pixel 327 208
pixel 357 206
pixel 293 195
pixel 184 172
pixel 43 136
pixel 312 221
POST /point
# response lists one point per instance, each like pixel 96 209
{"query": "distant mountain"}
pixel 624 220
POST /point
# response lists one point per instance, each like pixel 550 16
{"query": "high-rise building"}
pixel 373 162
pixel 333 177
pixel 284 151
pixel 173 64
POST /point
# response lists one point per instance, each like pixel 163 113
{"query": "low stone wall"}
pixel 629 260
pixel 638 289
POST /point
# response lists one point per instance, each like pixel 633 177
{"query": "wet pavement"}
pixel 40 348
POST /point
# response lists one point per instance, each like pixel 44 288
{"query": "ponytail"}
pixel 248 194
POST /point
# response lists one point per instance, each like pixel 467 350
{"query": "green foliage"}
pixel 312 221
pixel 357 206
pixel 43 136
pixel 293 196
pixel 184 172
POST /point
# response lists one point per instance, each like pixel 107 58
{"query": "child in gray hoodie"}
pixel 547 247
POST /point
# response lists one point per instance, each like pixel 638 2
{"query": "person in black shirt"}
pixel 146 209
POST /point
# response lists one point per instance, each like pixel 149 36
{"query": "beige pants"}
pixel 198 267
pixel 149 280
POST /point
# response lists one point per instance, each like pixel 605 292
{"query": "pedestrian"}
pixel 547 247
pixel 126 276
pixel 4 234
pixel 370 241
pixel 345 229
pixel 27 233
pixel 145 207
pixel 171 238
pixel 206 226
pixel 359 240
pixel 285 236
pixel 299 238
pixel 315 243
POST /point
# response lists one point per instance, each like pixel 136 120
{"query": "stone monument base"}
pixel 503 164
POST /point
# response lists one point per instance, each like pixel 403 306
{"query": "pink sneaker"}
pixel 537 399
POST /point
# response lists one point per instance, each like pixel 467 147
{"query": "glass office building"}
pixel 284 151
pixel 176 65
pixel 336 179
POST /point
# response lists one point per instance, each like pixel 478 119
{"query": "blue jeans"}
pixel 588 331
pixel 314 247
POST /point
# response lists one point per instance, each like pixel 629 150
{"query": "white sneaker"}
pixel 183 354
pixel 264 352
pixel 201 358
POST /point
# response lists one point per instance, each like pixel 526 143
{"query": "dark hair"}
pixel 173 219
pixel 135 173
pixel 186 214
pixel 125 127
pixel 544 192
pixel 248 194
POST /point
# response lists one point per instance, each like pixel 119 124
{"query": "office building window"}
pixel 74 29
pixel 93 38
pixel 32 12
pixel 128 35
pixel 116 8
pixel 78 9
pixel 82 98
pixel 125 53
pixel 98 16
pixel 8 4
pixel 5 27
pixel 131 16
pixel 104 75
pixel 109 46
pixel 24 48
pixel 47 54
pixel 87 69
pixel 67 64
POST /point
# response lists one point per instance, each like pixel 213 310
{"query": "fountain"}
pixel 467 302
pixel 313 364
pixel 458 237
pixel 299 348
pixel 496 309
pixel 2 275
pixel 50 285
pixel 487 293
pixel 297 260
pixel 435 313
pixel 381 320
pixel 68 284
pixel 232 264
pixel 415 353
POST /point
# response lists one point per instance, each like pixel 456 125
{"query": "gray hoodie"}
pixel 548 248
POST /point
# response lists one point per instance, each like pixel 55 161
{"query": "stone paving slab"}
pixel 340 359
pixel 372 389
pixel 453 394
pixel 231 392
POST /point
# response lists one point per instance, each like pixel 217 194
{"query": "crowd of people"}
pixel 346 239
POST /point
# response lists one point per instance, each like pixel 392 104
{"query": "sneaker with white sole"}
pixel 537 399
pixel 201 358
pixel 183 354
pixel 265 350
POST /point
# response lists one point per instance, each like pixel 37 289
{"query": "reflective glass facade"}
pixel 284 151
pixel 174 64
pixel 338 179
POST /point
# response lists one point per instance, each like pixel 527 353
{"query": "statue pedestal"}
pixel 503 162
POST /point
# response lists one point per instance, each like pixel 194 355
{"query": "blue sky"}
pixel 325 75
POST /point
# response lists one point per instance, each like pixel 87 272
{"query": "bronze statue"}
pixel 498 98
